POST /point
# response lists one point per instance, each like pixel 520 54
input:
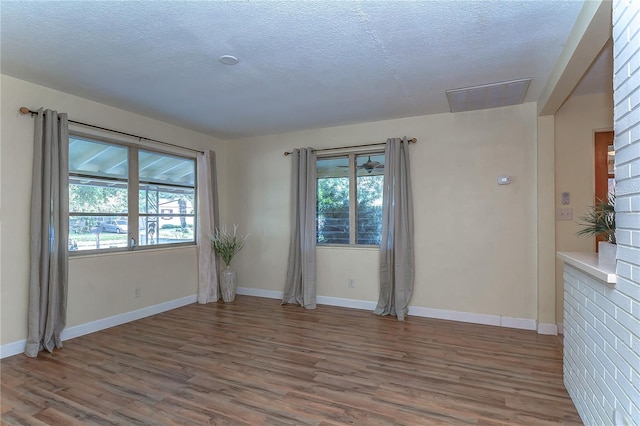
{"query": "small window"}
pixel 101 213
pixel 349 199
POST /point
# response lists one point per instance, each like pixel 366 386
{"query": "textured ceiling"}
pixel 302 64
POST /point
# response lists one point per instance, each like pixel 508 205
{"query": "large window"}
pixel 120 196
pixel 349 199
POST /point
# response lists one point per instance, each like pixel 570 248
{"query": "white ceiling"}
pixel 302 64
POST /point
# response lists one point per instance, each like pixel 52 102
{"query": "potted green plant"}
pixel 600 221
pixel 226 246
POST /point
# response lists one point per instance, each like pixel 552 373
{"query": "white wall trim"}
pixel 560 328
pixel 15 348
pixel 485 319
pixel 347 303
pixel 520 323
pixel 445 314
pixel 268 294
pixel 549 329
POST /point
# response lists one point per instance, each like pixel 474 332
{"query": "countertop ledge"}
pixel 589 263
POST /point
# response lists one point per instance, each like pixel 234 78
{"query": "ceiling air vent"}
pixel 488 95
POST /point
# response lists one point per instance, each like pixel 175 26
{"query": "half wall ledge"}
pixel 602 269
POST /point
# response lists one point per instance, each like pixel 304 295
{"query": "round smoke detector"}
pixel 229 59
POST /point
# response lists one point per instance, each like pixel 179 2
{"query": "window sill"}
pixel 81 255
pixel 347 247
pixel 589 263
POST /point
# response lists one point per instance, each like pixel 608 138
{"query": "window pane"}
pixel 97 196
pixel 154 199
pixel 158 230
pixel 370 165
pixel 168 169
pixel 166 215
pixel 166 199
pixel 369 209
pixel 370 176
pixel 333 201
pixel 99 159
pixel 92 232
pixel 98 204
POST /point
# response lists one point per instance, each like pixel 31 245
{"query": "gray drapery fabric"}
pixel 49 245
pixel 396 246
pixel 300 286
pixel 208 267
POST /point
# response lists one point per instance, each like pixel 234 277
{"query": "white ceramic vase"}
pixel 228 285
pixel 607 250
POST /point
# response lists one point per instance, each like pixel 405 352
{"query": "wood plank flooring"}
pixel 256 362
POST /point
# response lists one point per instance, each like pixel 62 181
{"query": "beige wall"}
pixel 546 223
pixel 575 124
pixel 99 286
pixel 475 241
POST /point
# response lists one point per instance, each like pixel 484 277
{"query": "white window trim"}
pixel 351 153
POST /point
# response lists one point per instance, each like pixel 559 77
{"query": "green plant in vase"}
pixel 227 245
pixel 600 220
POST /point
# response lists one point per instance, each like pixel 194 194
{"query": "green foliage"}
pixel 333 210
pixel 227 245
pixel 600 220
pixel 97 199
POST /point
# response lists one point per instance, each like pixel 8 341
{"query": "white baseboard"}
pixel 455 315
pixel 550 329
pixel 485 319
pixel 267 294
pixel 470 317
pixel 347 303
pixel 560 328
pixel 15 348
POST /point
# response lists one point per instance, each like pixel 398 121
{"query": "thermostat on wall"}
pixel 504 180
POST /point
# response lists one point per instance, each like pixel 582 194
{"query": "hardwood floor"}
pixel 255 362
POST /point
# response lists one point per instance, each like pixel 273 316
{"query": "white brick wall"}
pixel 626 35
pixel 602 323
pixel 601 352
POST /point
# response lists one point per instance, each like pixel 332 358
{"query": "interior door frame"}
pixel 602 141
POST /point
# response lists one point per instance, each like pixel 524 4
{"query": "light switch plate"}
pixel 564 213
pixel 566 198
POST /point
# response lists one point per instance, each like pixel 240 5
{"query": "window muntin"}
pixel 102 214
pixel 349 199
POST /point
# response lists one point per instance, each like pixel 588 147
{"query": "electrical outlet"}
pixel 565 213
pixel 350 283
pixel 136 292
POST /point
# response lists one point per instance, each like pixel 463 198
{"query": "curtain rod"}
pixel 412 140
pixel 25 110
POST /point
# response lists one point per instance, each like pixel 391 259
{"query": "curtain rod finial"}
pixel 24 110
pixel 286 153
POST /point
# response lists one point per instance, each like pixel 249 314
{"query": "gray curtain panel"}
pixel 396 246
pixel 300 286
pixel 49 233
pixel 208 266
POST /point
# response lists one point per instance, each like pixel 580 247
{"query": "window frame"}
pixel 133 187
pixel 352 156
